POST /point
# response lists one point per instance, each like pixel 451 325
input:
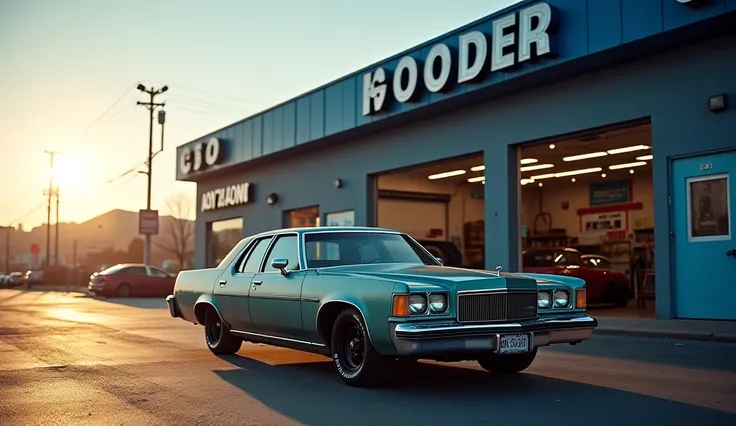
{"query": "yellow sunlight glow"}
pixel 68 172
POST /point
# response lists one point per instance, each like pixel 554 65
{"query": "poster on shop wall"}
pixel 602 223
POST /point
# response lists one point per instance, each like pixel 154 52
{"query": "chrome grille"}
pixel 496 306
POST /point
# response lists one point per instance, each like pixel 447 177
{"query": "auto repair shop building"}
pixel 601 125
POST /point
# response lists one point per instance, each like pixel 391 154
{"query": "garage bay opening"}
pixel 587 211
pixel 441 205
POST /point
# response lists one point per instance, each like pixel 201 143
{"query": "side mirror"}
pixel 281 265
pixel 439 259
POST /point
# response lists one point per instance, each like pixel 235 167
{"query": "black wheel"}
pixel 508 364
pixel 124 290
pixel 219 339
pixel 355 359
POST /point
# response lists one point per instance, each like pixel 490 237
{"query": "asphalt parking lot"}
pixel 67 358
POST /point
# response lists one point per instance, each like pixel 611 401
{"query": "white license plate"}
pixel 513 343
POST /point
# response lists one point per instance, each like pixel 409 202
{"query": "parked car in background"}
pixel 131 279
pixel 603 284
pixel 32 277
pixel 372 298
pixel 445 250
pixel 14 279
pixel 596 261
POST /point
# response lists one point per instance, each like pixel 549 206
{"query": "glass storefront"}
pixel 224 235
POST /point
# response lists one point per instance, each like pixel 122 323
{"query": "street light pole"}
pixel 151 106
pixel 48 207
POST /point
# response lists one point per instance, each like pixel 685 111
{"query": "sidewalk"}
pixel 717 331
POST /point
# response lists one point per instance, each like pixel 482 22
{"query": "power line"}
pixel 119 100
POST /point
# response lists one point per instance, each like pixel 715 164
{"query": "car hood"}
pixel 430 278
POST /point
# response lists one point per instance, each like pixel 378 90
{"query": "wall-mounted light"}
pixel 718 103
pixel 338 183
pixel 272 199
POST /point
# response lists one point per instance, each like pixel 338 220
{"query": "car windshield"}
pixel 325 249
pixel 548 258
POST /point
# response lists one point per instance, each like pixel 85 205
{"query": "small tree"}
pixel 177 231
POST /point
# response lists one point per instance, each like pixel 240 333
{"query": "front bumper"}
pixel 452 338
pixel 173 309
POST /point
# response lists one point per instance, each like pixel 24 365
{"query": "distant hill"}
pixel 116 229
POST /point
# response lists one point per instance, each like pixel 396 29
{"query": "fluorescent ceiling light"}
pixel 585 156
pixel 645 157
pixel 547 176
pixel 578 172
pixel 478 168
pixel 528 160
pixel 537 167
pixel 477 179
pixel 628 149
pixel 526 181
pixel 446 174
pixel 627 165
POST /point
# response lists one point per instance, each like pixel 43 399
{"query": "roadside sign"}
pixel 148 222
pixel 34 248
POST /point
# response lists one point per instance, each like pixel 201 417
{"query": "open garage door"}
pixel 418 218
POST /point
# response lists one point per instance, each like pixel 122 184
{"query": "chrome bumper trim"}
pixel 171 302
pixel 454 338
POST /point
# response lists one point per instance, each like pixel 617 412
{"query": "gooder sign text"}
pixel 228 196
pixel 478 55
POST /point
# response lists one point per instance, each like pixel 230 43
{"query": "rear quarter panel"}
pixel 193 286
pixel 372 297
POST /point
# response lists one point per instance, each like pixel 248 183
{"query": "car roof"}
pixel 322 229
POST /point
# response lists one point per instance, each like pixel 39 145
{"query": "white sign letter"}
pixel 185 161
pixel 440 82
pixel 197 157
pixel 536 36
pixel 500 61
pixel 374 91
pixel 212 152
pixel 409 65
pixel 467 71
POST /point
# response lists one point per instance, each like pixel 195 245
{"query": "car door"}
pixel 160 282
pixel 274 298
pixel 231 290
pixel 140 282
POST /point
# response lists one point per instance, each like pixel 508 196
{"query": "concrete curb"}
pixel 679 335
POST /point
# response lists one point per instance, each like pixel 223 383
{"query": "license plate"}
pixel 513 343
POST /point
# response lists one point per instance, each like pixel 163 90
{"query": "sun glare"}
pixel 68 172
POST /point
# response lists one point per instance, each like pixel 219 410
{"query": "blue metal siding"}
pixel 585 27
pixel 604 25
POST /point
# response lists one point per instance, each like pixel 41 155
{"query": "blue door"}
pixel 703 202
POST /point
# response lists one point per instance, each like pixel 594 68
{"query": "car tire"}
pixel 217 335
pixel 508 364
pixel 124 290
pixel 355 358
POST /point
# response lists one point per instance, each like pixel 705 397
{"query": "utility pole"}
pixel 56 237
pixel 151 106
pixel 7 247
pixel 48 207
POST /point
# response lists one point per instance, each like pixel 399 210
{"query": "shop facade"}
pixel 531 72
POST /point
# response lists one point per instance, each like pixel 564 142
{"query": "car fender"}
pixel 207 299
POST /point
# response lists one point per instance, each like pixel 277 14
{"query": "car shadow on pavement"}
pixel 426 394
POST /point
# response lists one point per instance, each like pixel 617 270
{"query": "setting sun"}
pixel 68 172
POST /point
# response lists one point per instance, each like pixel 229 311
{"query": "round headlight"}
pixel 562 298
pixel 544 299
pixel 417 304
pixel 437 302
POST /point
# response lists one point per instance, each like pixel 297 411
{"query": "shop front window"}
pixel 224 235
pixel 305 217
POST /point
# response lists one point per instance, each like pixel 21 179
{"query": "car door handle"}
pixel 222 283
pixel 257 282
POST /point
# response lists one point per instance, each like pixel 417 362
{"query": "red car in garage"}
pixel 603 285
pixel 132 279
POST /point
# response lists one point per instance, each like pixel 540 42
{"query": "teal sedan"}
pixel 372 299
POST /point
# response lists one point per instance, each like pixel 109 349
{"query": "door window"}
pixel 284 248
pixel 155 272
pixel 708 214
pixel 253 261
pixel 137 270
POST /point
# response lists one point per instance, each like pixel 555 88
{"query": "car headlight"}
pixel 562 298
pixel 437 303
pixel 544 299
pixel 417 304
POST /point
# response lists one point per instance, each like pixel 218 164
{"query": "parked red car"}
pixel 132 279
pixel 603 285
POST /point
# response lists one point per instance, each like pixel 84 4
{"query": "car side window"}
pixel 255 256
pixel 137 270
pixel 155 272
pixel 286 247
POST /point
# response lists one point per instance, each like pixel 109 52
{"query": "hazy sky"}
pixel 69 71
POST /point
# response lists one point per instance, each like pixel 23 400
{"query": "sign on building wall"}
pixel 344 218
pixel 514 39
pixel 604 222
pixel 200 156
pixel 614 192
pixel 220 198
